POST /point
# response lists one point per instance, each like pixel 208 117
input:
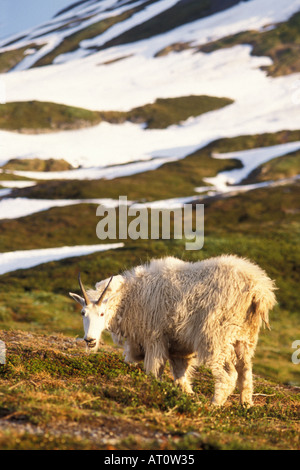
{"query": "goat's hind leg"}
pixel 225 375
pixel 244 370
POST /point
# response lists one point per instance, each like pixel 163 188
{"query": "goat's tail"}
pixel 263 301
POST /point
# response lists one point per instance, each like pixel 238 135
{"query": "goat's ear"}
pixel 78 299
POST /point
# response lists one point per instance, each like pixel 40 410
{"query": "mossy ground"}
pixel 175 179
pixel 38 116
pixel 35 164
pixel 54 396
pixel 43 116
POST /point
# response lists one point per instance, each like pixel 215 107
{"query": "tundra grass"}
pixel 269 213
pixel 171 180
pixel 175 179
pixel 166 112
pixel 39 116
pixel 42 115
pixel 8 176
pixel 61 397
pixel 36 164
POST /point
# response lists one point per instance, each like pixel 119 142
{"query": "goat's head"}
pixel 93 314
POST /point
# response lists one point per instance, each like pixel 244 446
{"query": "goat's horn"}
pixel 87 300
pixel 103 293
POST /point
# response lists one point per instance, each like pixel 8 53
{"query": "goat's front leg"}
pixel 155 359
pixel 181 368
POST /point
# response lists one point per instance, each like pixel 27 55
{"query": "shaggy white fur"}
pixel 189 313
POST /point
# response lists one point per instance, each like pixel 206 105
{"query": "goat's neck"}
pixel 114 318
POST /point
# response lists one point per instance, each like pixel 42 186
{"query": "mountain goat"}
pixel 187 313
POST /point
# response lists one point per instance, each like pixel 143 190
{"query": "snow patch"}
pixel 25 259
pixel 250 159
pixel 13 208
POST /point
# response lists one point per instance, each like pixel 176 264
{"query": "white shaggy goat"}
pixel 188 313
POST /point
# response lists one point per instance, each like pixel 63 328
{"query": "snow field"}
pixel 25 259
pixel 261 103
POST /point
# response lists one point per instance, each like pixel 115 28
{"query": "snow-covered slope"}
pixel 101 82
pixel 104 55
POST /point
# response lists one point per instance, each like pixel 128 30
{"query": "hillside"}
pixel 53 396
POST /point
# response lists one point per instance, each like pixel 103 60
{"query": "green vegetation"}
pixel 170 180
pixel 173 179
pixel 53 396
pixel 36 164
pixel 282 44
pixel 8 176
pixel 39 116
pixel 9 59
pixel 59 226
pixel 165 112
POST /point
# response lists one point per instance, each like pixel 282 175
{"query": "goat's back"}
pixel 188 302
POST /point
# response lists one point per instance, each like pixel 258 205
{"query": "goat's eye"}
pixel 83 312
